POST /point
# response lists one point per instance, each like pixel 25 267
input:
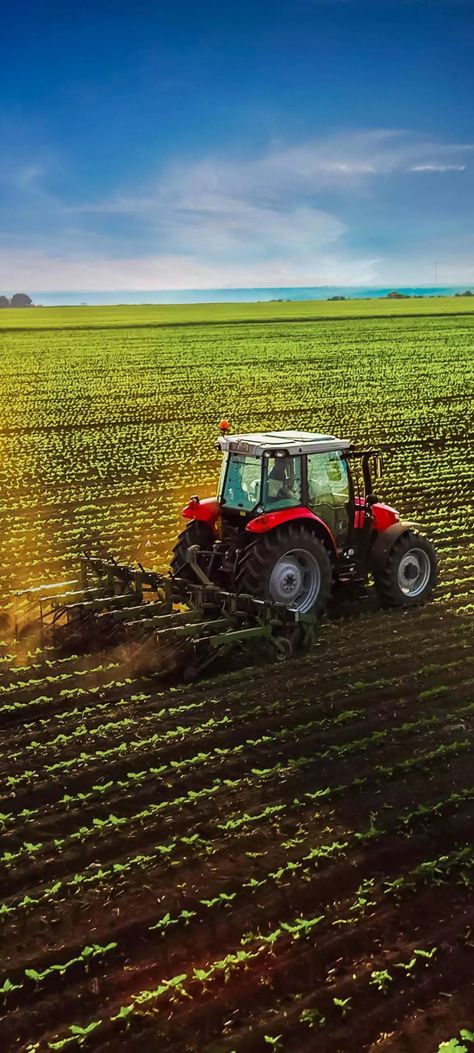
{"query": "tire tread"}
pixel 257 563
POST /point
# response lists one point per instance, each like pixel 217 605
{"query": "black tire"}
pixel 195 533
pixel 258 576
pixel 405 582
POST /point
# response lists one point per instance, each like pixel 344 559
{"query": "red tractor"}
pixel 294 517
pixel 294 520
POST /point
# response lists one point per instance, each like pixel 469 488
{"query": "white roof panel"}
pixel 294 442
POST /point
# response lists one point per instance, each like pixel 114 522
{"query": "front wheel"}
pixel 289 565
pixel 410 572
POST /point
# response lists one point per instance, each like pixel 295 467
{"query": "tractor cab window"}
pixel 329 491
pixel 282 482
pixel 242 482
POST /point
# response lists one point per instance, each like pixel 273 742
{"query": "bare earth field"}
pixel 281 857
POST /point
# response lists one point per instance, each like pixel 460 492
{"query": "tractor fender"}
pixel 270 520
pixel 205 511
pixel 385 541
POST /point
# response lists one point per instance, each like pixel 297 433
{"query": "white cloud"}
pixel 438 168
pixel 33 270
pixel 221 222
pixel 341 163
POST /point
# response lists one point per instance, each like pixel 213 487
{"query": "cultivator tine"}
pixel 30 605
pixel 35 589
pixel 146 625
pixel 58 600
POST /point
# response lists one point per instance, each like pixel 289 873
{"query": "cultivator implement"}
pixel 159 622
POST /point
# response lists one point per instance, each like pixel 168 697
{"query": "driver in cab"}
pixel 280 481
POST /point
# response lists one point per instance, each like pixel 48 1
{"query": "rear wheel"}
pixel 410 572
pixel 195 533
pixel 289 565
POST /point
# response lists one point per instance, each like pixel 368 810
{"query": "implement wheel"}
pixel 195 533
pixel 410 572
pixel 289 565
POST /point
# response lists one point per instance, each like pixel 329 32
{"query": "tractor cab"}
pixel 273 472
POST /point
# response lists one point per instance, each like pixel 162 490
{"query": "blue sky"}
pixel 184 145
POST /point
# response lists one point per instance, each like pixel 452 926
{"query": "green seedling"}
pixel 77 1034
pixel 373 831
pixel 420 953
pixel 407 967
pixel 362 902
pixel 344 1004
pixel 312 1018
pixel 381 979
pixel 8 986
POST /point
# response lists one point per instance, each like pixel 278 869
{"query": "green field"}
pixel 187 314
pixel 280 857
pixel 105 431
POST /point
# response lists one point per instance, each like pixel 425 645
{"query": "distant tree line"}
pixel 419 296
pixel 20 299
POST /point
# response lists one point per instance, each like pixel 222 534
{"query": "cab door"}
pixel 329 492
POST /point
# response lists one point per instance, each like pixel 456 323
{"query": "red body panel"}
pixel 269 520
pixel 359 513
pixel 384 516
pixel 206 511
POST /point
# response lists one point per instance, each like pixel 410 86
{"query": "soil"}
pixel 231 809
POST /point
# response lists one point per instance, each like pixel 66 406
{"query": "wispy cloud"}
pixel 339 163
pixel 279 218
pixel 33 269
pixel 438 168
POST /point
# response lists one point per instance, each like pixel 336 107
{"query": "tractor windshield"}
pixel 242 482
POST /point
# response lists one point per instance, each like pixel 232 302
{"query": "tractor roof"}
pixel 291 442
